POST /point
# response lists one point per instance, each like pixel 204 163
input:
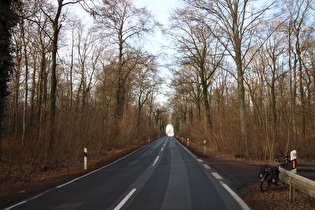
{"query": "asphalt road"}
pixel 160 175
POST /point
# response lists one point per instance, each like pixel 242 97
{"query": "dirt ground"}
pixel 240 174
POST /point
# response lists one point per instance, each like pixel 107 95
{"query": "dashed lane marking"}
pixel 120 205
pixel 156 159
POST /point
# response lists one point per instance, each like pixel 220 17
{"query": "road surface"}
pixel 160 175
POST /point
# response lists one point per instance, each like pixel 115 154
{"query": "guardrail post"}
pixel 292 193
pixel 85 158
pixel 296 181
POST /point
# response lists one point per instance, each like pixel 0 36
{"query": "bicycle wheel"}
pixel 264 185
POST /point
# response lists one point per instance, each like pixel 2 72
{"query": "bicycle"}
pixel 270 174
pixel 286 159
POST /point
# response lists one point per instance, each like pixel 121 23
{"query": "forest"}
pixel 243 78
pixel 76 84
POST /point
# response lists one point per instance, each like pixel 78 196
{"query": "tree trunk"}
pixel 26 85
pixel 120 98
pixel 237 40
pixel 33 91
pixel 301 86
pixel 53 81
pixel 16 92
pixel 241 91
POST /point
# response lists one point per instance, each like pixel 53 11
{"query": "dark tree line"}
pixel 8 19
pixel 74 85
pixel 254 64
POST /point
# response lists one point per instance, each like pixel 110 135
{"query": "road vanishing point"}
pixel 161 175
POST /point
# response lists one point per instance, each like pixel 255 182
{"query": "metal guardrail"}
pixel 296 181
pixel 305 168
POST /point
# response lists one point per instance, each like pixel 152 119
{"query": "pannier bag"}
pixel 275 175
pixel 262 170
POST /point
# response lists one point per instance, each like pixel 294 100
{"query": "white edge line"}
pixel 206 166
pixel 189 152
pixel 235 196
pixel 216 175
pixel 15 205
pixel 62 185
pixel 156 159
pixel 125 199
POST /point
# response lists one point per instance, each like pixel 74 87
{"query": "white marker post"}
pixel 187 142
pixel 85 158
pixel 204 147
pixel 293 161
pixel 293 170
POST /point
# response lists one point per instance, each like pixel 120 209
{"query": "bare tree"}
pixel 146 83
pixel 186 83
pixel 55 18
pixel 297 13
pixel 267 70
pixel 88 54
pixel 123 22
pixel 233 24
pixel 199 49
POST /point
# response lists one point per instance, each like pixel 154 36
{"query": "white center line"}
pixel 156 160
pixel 125 199
pixel 162 149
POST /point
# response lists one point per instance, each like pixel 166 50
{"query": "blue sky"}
pixel 161 9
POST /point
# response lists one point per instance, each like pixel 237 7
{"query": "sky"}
pixel 169 130
pixel 161 10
